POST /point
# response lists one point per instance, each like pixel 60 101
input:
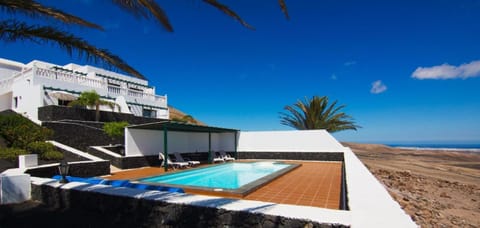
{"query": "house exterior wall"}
pixel 6 101
pixel 27 96
pixel 37 79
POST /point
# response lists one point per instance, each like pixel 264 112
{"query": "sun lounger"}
pixel 179 158
pixel 171 163
pixel 226 156
pixel 218 159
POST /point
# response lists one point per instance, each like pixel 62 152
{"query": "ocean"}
pixel 440 146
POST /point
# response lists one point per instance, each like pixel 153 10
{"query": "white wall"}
pixel 288 141
pixel 187 142
pixel 29 96
pixel 368 200
pixel 150 142
pixel 6 101
pixel 223 141
pixel 140 142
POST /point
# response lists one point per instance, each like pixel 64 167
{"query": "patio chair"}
pixel 226 156
pixel 179 158
pixel 171 163
pixel 218 159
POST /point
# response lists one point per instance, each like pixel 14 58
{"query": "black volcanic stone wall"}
pixel 315 156
pixel 126 162
pixel 124 211
pixel 55 113
pixel 79 136
pixel 136 162
pixel 142 161
pixel 84 169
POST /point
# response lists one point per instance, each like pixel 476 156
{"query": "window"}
pixel 149 113
pixel 63 102
pixel 113 84
pixel 15 102
pixel 136 89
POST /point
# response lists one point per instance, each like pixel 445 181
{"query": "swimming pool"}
pixel 238 177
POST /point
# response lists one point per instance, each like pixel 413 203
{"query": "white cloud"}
pixel 446 71
pixel 350 63
pixel 378 87
pixel 333 77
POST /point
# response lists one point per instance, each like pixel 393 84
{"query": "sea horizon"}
pixel 470 147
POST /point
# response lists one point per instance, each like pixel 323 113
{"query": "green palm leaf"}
pixel 283 6
pixel 317 113
pixel 35 9
pixel 12 30
pixel 228 12
pixel 146 9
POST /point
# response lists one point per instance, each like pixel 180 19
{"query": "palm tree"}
pixel 92 99
pixel 15 30
pixel 317 113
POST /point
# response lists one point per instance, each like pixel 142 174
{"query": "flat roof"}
pixel 179 126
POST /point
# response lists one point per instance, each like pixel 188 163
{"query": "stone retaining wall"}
pixel 312 156
pixel 55 113
pixel 78 169
pixel 128 211
pixel 79 136
pixel 126 162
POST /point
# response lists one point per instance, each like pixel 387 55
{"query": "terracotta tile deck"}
pixel 316 184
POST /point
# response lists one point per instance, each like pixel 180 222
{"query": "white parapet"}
pixel 288 141
pixel 28 160
pixel 14 187
pixel 368 200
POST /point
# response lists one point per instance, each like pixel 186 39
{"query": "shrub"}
pixel 51 155
pixel 18 131
pixel 115 129
pixel 40 147
pixel 11 154
pixel 45 150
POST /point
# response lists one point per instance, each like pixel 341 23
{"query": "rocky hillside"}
pixel 177 115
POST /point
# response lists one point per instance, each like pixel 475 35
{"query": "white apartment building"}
pixel 26 87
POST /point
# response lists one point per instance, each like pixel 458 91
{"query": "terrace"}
pixel 330 188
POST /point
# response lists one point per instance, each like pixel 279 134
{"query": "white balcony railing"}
pixel 114 90
pixel 71 78
pixel 96 83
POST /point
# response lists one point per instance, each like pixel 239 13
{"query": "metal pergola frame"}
pixel 167 126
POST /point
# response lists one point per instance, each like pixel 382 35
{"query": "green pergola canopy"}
pixel 179 126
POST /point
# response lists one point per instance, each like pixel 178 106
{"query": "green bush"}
pixel 115 129
pixel 11 153
pixel 45 150
pixel 51 155
pixel 40 147
pixel 18 131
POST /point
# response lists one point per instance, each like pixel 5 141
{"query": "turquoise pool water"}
pixel 225 176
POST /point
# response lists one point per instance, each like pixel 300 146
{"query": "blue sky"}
pixel 408 71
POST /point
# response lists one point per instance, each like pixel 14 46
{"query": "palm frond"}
pixel 12 30
pixel 283 6
pixel 35 9
pixel 146 9
pixel 229 12
pixel 317 113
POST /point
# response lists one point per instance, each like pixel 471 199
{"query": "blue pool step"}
pixel 119 183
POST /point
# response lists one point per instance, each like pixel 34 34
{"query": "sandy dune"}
pixel 437 188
